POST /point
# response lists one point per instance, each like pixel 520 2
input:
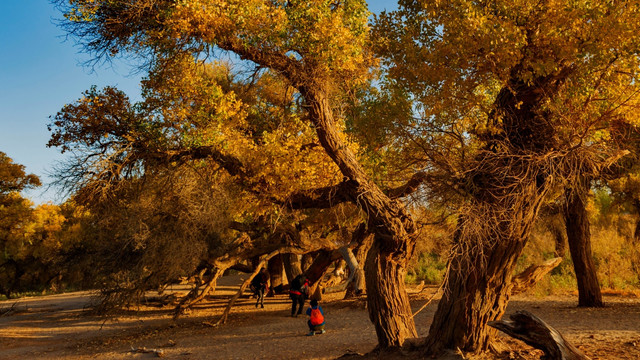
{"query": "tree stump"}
pixel 532 330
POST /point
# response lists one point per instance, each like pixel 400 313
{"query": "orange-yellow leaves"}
pixel 82 10
pixel 454 56
pixel 330 36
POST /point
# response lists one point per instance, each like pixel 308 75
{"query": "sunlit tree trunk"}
pixel 479 281
pixel 358 286
pixel 393 228
pixel 292 266
pixel 579 238
pixel 384 276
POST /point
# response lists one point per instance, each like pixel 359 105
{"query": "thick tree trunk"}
pixel 552 216
pixel 255 260
pixel 316 271
pixel 579 238
pixel 636 231
pixel 395 232
pixel 275 269
pixel 337 275
pixel 507 186
pixel 635 254
pixel 356 270
pixel 292 266
pixel 559 240
pixel 384 275
pixel 477 291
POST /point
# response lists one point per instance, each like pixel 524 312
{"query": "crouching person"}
pixel 316 318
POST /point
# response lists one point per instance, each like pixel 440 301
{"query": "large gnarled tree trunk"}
pixel 479 280
pixel 579 238
pixel 509 184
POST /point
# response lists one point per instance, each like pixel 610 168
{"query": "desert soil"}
pixel 61 327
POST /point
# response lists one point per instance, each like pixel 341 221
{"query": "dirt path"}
pixel 57 327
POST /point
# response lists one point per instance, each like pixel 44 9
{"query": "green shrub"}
pixel 430 268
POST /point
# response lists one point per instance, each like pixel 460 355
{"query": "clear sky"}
pixel 41 71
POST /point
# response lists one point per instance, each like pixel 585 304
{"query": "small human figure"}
pixel 259 286
pixel 316 318
pixel 297 293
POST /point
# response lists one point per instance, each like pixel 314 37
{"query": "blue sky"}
pixel 41 71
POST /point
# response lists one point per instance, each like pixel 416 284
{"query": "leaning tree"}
pixel 151 177
pixel 319 47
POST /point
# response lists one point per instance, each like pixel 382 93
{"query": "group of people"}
pixel 298 293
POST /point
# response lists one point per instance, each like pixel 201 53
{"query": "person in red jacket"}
pixel 316 318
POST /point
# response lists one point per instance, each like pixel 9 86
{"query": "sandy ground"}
pixel 59 327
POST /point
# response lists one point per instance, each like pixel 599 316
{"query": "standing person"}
pixel 259 286
pixel 297 292
pixel 316 318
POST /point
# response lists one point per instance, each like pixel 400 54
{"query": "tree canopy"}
pixel 487 108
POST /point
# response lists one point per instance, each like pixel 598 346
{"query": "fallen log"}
pixel 529 328
pixel 531 275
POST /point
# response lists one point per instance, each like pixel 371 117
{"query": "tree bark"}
pixel 384 275
pixel 477 291
pixel 292 266
pixel 579 238
pixel 316 271
pixel 635 254
pixel 355 272
pixel 306 261
pixel 553 217
pixel 320 264
pixel 275 269
pixel 559 240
